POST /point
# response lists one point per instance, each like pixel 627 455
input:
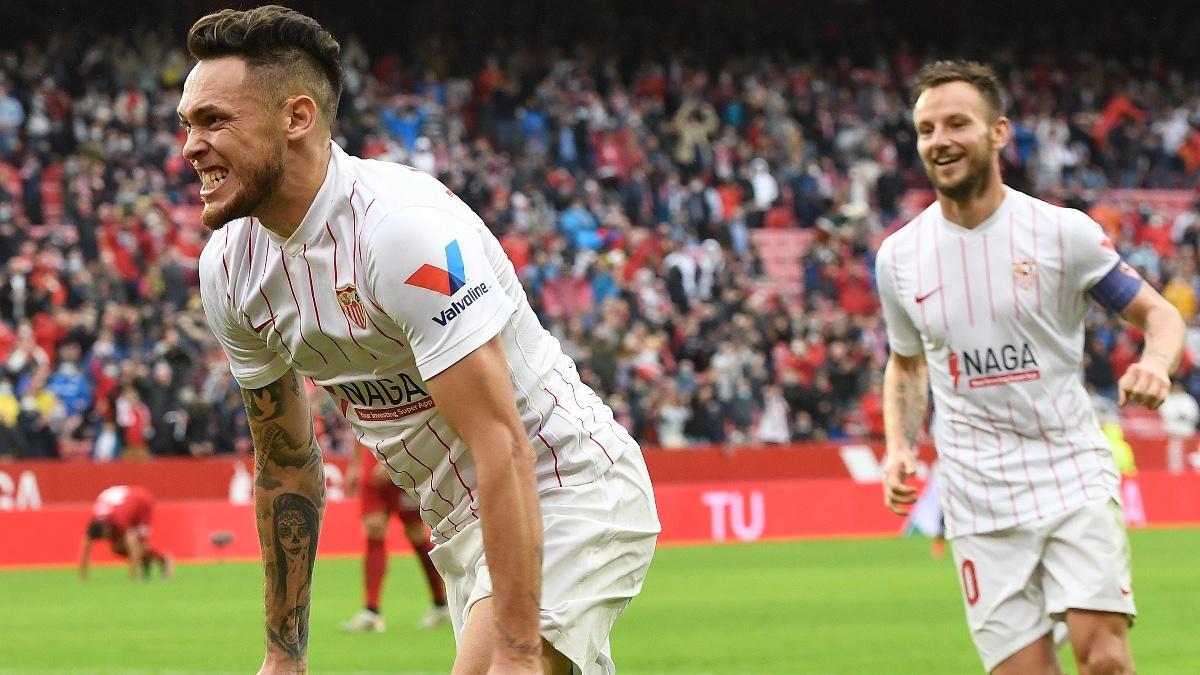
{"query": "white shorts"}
pixel 1018 582
pixel 598 540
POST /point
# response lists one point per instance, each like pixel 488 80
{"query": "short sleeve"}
pixel 1091 255
pixel 251 361
pixel 903 336
pixel 428 269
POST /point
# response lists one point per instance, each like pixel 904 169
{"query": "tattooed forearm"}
pixel 293 530
pixel 913 403
pixel 289 499
pixel 266 404
pixel 271 414
pixel 905 399
pixel 275 443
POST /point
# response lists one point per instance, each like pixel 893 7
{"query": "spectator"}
pixel 628 199
pixel 775 424
pixel 133 419
pixel 1181 292
pixel 695 122
pixel 12 116
pixel 673 414
pixel 871 406
pixel 706 424
pixel 37 422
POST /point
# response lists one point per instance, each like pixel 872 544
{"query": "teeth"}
pixel 212 179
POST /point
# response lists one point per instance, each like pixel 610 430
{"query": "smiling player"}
pixel 984 295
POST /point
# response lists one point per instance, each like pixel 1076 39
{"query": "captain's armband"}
pixel 1118 288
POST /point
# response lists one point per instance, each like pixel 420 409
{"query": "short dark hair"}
pixel 297 51
pixel 978 75
pixel 96 529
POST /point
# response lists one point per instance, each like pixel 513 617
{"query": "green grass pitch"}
pixel 845 606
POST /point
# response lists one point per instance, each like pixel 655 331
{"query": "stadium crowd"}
pixel 628 196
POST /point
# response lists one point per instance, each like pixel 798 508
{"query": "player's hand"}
pixel 899 466
pixel 1145 383
pixel 352 481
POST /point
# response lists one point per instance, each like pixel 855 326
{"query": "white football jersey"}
pixel 389 280
pixel 998 312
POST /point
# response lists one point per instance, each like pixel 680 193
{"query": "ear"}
pixel 1001 132
pixel 302 117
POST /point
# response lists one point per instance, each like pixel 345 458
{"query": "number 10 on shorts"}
pixel 970 583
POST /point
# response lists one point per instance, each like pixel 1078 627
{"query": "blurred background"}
pixel 692 194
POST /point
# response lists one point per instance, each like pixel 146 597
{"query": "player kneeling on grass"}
pixel 984 295
pixel 122 515
pixel 383 287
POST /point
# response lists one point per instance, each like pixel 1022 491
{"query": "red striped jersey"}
pixel 389 280
pixel 998 312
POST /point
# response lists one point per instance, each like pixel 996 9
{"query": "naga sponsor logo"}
pixel 385 399
pixel 459 306
pixel 994 366
pixel 394 413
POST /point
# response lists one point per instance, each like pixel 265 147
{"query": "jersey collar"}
pixel 318 212
pixel 997 215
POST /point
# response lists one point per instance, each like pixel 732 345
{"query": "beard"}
pixel 257 183
pixel 971 184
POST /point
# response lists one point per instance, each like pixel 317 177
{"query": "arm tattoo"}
pixel 294 528
pixel 263 405
pixel 910 400
pixel 289 498
pixel 265 410
pixel 912 410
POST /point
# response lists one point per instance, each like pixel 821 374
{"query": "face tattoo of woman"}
pixel 295 553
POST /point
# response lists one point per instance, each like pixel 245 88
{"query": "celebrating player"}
pixel 984 294
pixel 382 286
pixel 122 515
pixel 378 499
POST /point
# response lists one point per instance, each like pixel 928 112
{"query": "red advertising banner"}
pixel 31 485
pixel 735 511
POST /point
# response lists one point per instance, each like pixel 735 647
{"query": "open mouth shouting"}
pixel 211 180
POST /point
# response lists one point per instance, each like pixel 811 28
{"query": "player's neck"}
pixel 283 212
pixel 973 210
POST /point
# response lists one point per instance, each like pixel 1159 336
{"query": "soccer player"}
pixel 380 285
pixel 122 515
pixel 984 294
pixel 378 499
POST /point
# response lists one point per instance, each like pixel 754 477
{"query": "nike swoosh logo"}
pixel 922 298
pixel 1126 591
pixel 259 328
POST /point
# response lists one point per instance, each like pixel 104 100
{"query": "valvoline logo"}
pixel 445 281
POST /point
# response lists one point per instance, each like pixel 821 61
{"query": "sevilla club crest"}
pixel 1024 274
pixel 352 304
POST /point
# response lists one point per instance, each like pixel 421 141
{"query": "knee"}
pixel 1107 658
pixel 375 525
